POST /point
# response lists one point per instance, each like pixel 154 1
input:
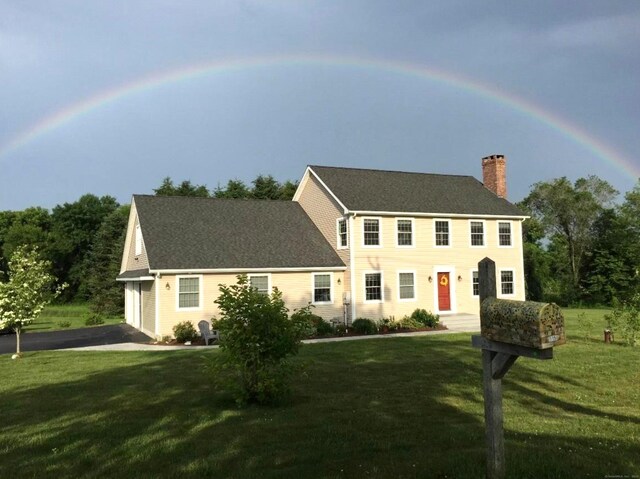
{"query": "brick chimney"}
pixel 494 174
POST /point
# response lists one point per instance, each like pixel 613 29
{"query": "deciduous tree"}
pixel 29 289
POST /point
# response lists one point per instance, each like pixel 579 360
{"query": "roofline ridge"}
pixel 238 200
pixel 390 171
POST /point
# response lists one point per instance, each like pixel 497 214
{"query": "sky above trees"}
pixel 552 85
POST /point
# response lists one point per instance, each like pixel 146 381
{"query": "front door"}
pixel 444 292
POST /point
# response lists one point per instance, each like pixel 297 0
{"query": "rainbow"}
pixel 76 110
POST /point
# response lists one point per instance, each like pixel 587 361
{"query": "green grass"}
pixel 386 408
pixel 76 314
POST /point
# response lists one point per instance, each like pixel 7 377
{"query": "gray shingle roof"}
pixel 211 233
pixel 396 191
pixel 134 274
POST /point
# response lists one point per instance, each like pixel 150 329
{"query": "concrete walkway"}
pixel 459 323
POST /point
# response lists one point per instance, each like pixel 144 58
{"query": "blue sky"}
pixel 574 61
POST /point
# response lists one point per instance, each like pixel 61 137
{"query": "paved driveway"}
pixel 73 338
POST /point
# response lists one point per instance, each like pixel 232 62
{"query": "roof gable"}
pixel 211 233
pixel 398 192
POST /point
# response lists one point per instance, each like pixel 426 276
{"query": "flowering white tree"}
pixel 28 291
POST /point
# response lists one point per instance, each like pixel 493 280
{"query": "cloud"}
pixel 608 32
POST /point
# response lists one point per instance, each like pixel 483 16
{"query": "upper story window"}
pixel 475 283
pixel 406 285
pixel 506 282
pixel 442 232
pixel 504 233
pixel 138 241
pixel 188 292
pixel 260 282
pixel 343 238
pixel 477 233
pixel 404 231
pixel 322 288
pixel 373 286
pixel 371 231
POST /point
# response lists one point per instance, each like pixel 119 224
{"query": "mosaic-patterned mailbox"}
pixel 526 323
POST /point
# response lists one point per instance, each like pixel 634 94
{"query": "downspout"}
pixel 352 266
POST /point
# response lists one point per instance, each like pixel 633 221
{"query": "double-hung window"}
pixel 406 285
pixel 442 231
pixel 504 233
pixel 188 292
pixel 260 282
pixel 506 282
pixel 322 288
pixel 343 238
pixel 371 231
pixel 475 283
pixel 477 233
pixel 404 228
pixel 373 287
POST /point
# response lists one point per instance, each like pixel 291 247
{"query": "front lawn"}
pixel 401 407
pixel 56 317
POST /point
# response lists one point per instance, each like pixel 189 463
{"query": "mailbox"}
pixel 526 323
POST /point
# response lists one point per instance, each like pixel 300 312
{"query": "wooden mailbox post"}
pixel 509 329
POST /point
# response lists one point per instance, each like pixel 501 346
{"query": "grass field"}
pixel 392 408
pixel 76 314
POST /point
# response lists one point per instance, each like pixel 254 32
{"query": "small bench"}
pixel 207 333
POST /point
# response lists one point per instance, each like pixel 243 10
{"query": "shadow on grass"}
pixel 409 407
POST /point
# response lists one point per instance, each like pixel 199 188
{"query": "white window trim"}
pixel 379 218
pixel 434 233
pixel 200 292
pixel 364 287
pixel 413 233
pixel 471 276
pixel 269 284
pixel 138 241
pixel 484 234
pixel 513 275
pixel 338 242
pixel 415 285
pixel 498 234
pixel 453 280
pixel 313 288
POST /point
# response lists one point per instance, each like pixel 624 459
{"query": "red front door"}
pixel 444 293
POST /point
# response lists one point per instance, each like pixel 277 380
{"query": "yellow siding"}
pixel 136 262
pixel 461 258
pixel 296 289
pixel 324 212
pixel 148 306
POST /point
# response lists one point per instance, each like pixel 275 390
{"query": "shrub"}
pixel 425 318
pixel 94 319
pixel 341 329
pixel 185 331
pixel 388 324
pixel 364 326
pixel 64 324
pixel 408 322
pixel 257 341
pixel 625 319
pixel 311 324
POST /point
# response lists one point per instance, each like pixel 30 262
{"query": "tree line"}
pixel 581 244
pixel 84 240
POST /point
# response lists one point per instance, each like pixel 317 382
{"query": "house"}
pixel 353 242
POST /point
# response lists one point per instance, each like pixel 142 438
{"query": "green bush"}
pixel 408 322
pixel 341 329
pixel 625 319
pixel 257 342
pixel 388 324
pixel 311 324
pixel 64 324
pixel 185 331
pixel 425 318
pixel 94 319
pixel 364 326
